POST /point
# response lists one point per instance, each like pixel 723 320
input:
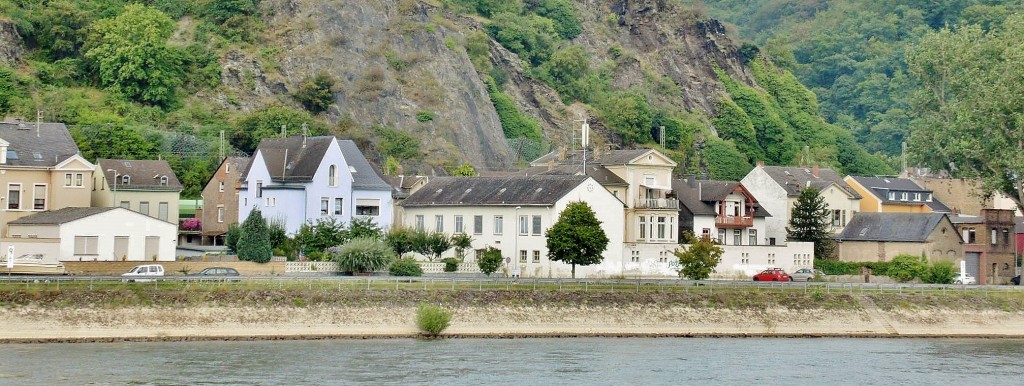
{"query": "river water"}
pixel 585 361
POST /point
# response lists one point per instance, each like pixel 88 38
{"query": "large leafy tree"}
pixel 132 56
pixel 970 111
pixel 577 237
pixel 113 142
pixel 699 259
pixel 254 240
pixel 810 222
pixel 268 122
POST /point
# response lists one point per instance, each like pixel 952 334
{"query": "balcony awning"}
pixel 655 186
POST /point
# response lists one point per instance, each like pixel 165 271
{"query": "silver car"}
pixel 807 274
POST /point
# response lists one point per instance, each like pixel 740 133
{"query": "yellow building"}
pixel 894 195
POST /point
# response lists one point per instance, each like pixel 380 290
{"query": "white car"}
pixel 145 272
pixel 963 278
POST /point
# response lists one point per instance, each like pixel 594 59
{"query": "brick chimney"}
pixel 760 163
pixel 815 171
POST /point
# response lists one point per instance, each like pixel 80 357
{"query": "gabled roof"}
pixel 603 157
pixel 881 186
pixel 142 174
pixel 293 159
pixel 494 191
pixel 364 176
pixel 700 196
pixel 59 216
pixel 45 145
pixel 599 173
pixel 239 163
pixel 402 185
pixel 899 227
pixel 794 179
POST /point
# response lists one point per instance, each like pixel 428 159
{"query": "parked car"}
pixel 216 273
pixel 1015 280
pixel 773 274
pixel 807 274
pixel 145 272
pixel 964 278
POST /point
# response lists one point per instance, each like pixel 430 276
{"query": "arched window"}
pixel 332 176
pixel 126 179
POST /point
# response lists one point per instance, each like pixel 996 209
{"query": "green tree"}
pixel 437 243
pixel 942 272
pixel 531 37
pixel 254 240
pixel 315 93
pixel 397 143
pixel 698 261
pixel 391 166
pixel 567 72
pixel 810 222
pixel 314 237
pixel 131 54
pixel 7 90
pixel 401 240
pixel 364 228
pixel 362 255
pixel 562 13
pixel 904 268
pixel 629 115
pixel 461 242
pixel 490 260
pixel 267 123
pixel 112 142
pixel 465 170
pixel 577 238
pixel 231 237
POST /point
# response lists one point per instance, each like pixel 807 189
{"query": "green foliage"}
pixel 405 267
pixel 7 90
pixel 432 320
pixel 461 242
pixel 531 37
pixel 279 240
pixel 220 11
pixel 231 237
pixel 562 13
pixel 513 122
pixel 464 170
pixel 254 240
pixel 941 272
pixel 112 142
pixel 810 222
pixel 397 143
pixel 364 228
pixel 698 261
pixel 577 237
pixel 904 268
pixel 567 72
pixel 490 260
pixel 425 115
pixel 724 161
pixel 314 237
pixel 436 243
pixel 131 54
pixel 391 166
pixel 478 49
pixel 628 114
pixel 733 124
pixel 267 123
pixel 451 264
pixel 315 94
pixel 362 255
pixel 835 267
pixel 401 240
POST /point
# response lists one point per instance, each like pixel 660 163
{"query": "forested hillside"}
pixel 422 86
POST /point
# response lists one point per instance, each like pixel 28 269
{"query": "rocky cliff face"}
pixel 10 44
pixel 395 58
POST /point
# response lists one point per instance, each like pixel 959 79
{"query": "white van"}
pixel 146 272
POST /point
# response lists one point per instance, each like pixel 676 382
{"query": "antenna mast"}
pixel 585 139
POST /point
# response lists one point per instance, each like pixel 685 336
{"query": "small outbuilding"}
pixel 882 236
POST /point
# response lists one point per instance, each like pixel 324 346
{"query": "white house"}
pixel 777 188
pixel 93 234
pixel 299 179
pixel 720 210
pixel 513 213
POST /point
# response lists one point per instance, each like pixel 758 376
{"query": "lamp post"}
pixel 116 174
pixel 515 245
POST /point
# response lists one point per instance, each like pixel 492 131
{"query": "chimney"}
pixel 760 163
pixel 815 171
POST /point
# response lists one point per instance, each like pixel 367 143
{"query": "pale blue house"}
pixel 299 179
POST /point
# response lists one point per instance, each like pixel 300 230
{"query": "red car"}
pixel 773 274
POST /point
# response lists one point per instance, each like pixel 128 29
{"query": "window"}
pixel 220 186
pixel 844 217
pixel 753 236
pixel 79 179
pixel 126 179
pixel 39 197
pixel 163 180
pixel 13 196
pixel 643 227
pixel 928 197
pixel 536 225
pixel 458 224
pixel 499 224
pixel 661 227
pixel 1006 236
pixel 245 201
pixel 338 205
pixel 324 205
pixel 126 204
pixel 332 175
pixel 271 201
pixel 737 237
pixel 86 245
pixel 536 256
pixel 995 236
pixel 969 236
pixel 721 236
pixel 522 256
pixel 836 218
pixel 220 213
pixel 478 225
pixel 419 222
pixel 368 207
pixel 227 168
pixel 771 241
pixel 917 196
pixel 524 225
pixel 144 207
pixel 259 188
pixel 162 211
pixel 439 223
pixel 705 233
pixel 634 256
pixel 67 179
pixel 903 196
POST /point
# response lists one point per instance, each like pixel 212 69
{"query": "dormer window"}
pixel 892 196
pixel 903 196
pixel 917 196
pixel 126 179
pixel 163 180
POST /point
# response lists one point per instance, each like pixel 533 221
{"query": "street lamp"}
pixel 116 174
pixel 515 245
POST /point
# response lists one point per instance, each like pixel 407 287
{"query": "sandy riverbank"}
pixel 44 324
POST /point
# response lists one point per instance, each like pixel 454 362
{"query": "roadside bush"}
pixel 362 255
pixel 405 267
pixel 451 264
pixel 432 320
pixel 489 260
pixel 835 267
pixel 904 268
pixel 942 272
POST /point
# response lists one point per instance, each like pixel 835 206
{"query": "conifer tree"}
pixel 254 241
pixel 810 222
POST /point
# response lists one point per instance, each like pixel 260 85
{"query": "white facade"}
pixel 738 261
pixel 779 204
pixel 115 235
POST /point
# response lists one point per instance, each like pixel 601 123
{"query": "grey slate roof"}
pixel 794 179
pixel 303 157
pixel 46 147
pixel 881 186
pixel 59 216
pixel 402 185
pixel 365 177
pixel 604 157
pixel 494 191
pixel 900 227
pixel 143 174
pixel 699 196
pixel 599 173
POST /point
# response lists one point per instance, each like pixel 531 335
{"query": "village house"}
pixel 512 214
pixel 149 187
pixel 989 245
pixel 303 179
pixel 220 199
pixel 41 169
pixel 777 188
pixel 401 187
pixel 883 236
pixel 894 195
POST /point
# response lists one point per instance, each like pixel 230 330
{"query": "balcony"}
pixel 657 203
pixel 734 221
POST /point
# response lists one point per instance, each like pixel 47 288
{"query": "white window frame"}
pixel 536 226
pixel 332 175
pixel 499 225
pixel 10 188
pixel 419 222
pixel 46 194
pixel 220 188
pixel 439 223
pixel 339 204
pixel 458 224
pixel 163 211
pixel 220 213
pixel 478 224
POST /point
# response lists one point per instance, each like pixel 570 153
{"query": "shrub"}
pixel 942 272
pixel 405 267
pixel 362 255
pixel 451 264
pixel 424 116
pixel 432 320
pixel 489 260
pixel 254 240
pixel 904 268
pixel 315 93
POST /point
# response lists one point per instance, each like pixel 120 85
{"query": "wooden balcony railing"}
pixel 734 221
